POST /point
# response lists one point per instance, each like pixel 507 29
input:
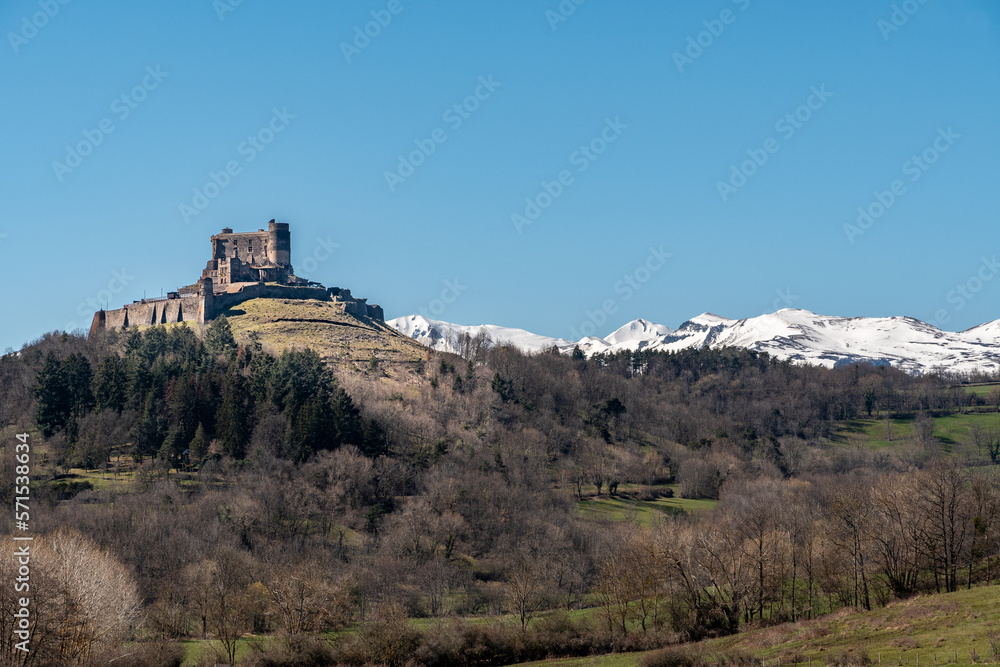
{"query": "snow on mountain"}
pixel 805 337
pixel 445 336
pixel 797 335
pixel 639 332
pixel 984 333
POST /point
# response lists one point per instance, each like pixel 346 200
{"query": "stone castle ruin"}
pixel 244 265
pixel 252 257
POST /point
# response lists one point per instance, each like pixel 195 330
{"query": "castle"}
pixel 252 257
pixel 244 265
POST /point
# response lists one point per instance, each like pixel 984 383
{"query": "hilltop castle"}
pixel 244 265
pixel 252 257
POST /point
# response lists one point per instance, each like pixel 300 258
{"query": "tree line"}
pixel 175 397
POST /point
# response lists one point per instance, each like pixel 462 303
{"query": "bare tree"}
pixel 525 588
pixel 944 495
pixel 83 600
pixel 223 583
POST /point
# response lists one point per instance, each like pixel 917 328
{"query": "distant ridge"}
pixel 791 334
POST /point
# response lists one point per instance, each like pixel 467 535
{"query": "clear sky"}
pixel 683 157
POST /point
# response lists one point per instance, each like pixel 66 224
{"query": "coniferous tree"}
pixel 149 431
pixel 347 420
pixel 310 429
pixel 198 447
pixel 183 406
pixel 219 337
pixel 52 392
pixel 111 385
pixel 234 423
pixel 79 376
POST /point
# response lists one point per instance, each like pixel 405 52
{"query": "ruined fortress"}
pixel 244 265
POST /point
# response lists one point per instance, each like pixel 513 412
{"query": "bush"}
pixel 458 643
pixel 700 478
pixel 855 657
pixel 386 639
pixel 290 651
pixel 995 647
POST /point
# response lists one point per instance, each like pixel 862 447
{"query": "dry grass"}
pixel 344 341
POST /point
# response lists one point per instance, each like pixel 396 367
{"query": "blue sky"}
pixel 647 111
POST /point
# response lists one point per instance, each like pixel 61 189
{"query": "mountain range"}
pixel 793 334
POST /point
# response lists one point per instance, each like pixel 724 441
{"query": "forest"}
pixel 198 501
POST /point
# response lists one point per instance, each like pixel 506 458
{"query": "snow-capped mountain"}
pixel 984 333
pixel 446 337
pixel 796 335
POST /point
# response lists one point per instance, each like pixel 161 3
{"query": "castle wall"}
pixel 356 307
pixel 226 300
pixel 180 310
pixel 205 308
pixel 163 311
pixel 249 247
pixel 141 314
pixel 117 319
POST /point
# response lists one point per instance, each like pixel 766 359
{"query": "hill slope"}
pixel 340 339
pixel 940 628
pixel 935 626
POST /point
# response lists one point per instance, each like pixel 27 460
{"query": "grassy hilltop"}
pixel 340 339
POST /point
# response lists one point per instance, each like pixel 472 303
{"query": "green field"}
pixel 197 649
pixel 645 512
pixel 949 430
pixel 981 390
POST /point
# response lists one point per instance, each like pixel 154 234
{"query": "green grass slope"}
pixel 940 628
pixel 945 629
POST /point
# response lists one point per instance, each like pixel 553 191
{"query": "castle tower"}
pixel 206 301
pixel 279 247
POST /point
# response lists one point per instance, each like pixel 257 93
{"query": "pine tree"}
pixel 52 391
pixel 149 431
pixel 234 423
pixel 219 337
pixel 198 446
pixel 111 385
pixel 349 427
pixel 182 407
pixel 79 377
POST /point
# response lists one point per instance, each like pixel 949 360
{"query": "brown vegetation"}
pixel 449 489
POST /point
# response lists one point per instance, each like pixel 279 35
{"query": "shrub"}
pixel 995 647
pixel 855 657
pixel 386 639
pixel 291 651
